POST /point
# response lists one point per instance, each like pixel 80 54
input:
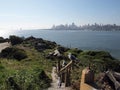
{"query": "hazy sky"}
pixel 28 14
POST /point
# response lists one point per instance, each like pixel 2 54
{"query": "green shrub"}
pixel 15 40
pixel 13 53
pixel 99 61
pixel 35 79
pixel 1 67
pixel 2 40
pixel 98 54
pixel 75 51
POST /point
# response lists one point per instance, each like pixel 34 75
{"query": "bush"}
pixel 99 61
pixel 98 54
pixel 35 79
pixel 2 40
pixel 13 53
pixel 1 67
pixel 15 40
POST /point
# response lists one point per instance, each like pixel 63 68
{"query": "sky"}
pixel 38 14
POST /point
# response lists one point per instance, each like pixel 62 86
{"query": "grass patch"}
pixel 25 74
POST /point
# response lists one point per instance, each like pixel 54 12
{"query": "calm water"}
pixel 86 40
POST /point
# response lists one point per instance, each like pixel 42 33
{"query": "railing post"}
pixel 64 73
pixel 58 66
pixel 63 77
pixel 67 78
pixel 69 83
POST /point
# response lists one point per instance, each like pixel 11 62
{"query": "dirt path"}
pixel 54 82
pixel 4 45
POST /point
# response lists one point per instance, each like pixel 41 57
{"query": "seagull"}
pixel 64 63
pixel 57 53
pixel 72 57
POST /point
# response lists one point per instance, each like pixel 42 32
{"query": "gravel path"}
pixel 4 45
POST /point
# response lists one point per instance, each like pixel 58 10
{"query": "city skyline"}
pixel 37 14
pixel 93 27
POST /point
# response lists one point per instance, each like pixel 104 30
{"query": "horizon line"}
pixel 30 28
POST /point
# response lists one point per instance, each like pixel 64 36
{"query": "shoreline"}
pixel 85 40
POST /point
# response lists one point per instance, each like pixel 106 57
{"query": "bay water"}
pixel 85 40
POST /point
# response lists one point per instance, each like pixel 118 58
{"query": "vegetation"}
pixel 15 40
pixel 99 60
pixel 13 53
pixel 29 80
pixel 3 40
pixel 20 77
pixel 29 73
pixel 25 66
